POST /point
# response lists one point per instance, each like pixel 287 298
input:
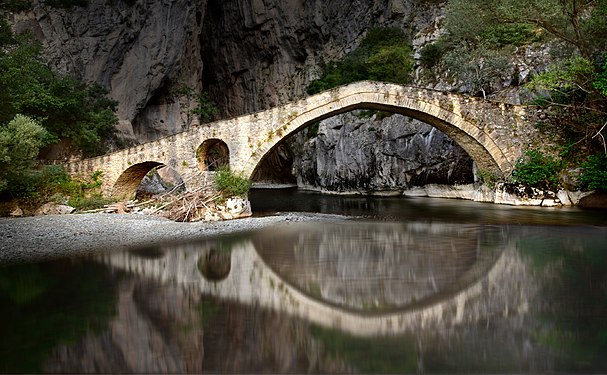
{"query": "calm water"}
pixel 397 286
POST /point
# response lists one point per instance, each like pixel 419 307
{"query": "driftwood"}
pixel 196 205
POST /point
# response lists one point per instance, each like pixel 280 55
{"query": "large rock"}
pixel 354 152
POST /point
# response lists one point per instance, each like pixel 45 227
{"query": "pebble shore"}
pixel 48 237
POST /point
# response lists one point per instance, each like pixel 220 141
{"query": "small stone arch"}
pixel 212 155
pixel 127 183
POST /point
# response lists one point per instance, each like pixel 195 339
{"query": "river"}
pixel 379 285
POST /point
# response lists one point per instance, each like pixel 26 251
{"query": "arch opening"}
pixel 129 183
pixel 212 155
pixel 159 180
pixel 215 265
pixel 373 147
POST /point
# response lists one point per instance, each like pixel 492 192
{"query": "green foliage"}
pixel 20 142
pixel 600 83
pixel 569 75
pixel 432 54
pixel 487 178
pixel 53 184
pixel 477 67
pixel 384 54
pixel 66 107
pixel 391 64
pixel 579 24
pixel 206 109
pixel 231 184
pixel 6 35
pixel 594 176
pixel 49 304
pixel 537 170
pixel 517 34
pixel 15 5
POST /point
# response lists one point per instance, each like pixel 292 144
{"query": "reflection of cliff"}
pixel 155 330
pixel 159 329
pixel 248 338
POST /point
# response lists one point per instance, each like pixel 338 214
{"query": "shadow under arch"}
pixel 127 183
pixel 485 153
pixel 212 155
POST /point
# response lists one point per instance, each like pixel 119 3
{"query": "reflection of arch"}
pixel 213 154
pixel 215 265
pixel 126 185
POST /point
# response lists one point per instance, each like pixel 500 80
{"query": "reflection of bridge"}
pixel 492 133
pixel 250 281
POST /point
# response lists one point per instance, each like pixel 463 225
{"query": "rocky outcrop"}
pixel 357 153
pixel 264 53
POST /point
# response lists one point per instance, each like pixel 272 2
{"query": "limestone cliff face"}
pixel 142 51
pixel 263 53
pixel 249 55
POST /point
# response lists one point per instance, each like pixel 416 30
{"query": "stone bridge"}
pixel 494 134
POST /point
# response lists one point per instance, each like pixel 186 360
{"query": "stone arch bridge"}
pixel 494 134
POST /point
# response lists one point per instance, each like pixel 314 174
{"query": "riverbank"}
pixel 55 236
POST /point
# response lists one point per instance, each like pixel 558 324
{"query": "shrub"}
pixel 20 142
pixel 231 184
pixel 65 106
pixel 431 54
pixel 535 169
pixel 594 176
pixel 383 55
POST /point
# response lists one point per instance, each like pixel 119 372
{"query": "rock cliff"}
pixel 353 153
pixel 144 52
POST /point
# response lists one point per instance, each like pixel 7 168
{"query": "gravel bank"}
pixel 47 237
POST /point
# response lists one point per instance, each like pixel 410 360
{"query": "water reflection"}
pixel 339 297
pixel 366 279
pixel 380 266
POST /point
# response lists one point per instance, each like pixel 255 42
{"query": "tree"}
pixel 477 67
pixel 65 106
pixel 20 142
pixel 581 24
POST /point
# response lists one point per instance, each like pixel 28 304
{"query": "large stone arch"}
pixel 469 133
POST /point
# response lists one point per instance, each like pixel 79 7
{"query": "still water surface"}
pixel 398 285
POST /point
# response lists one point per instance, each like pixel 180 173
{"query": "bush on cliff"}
pixel 384 55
